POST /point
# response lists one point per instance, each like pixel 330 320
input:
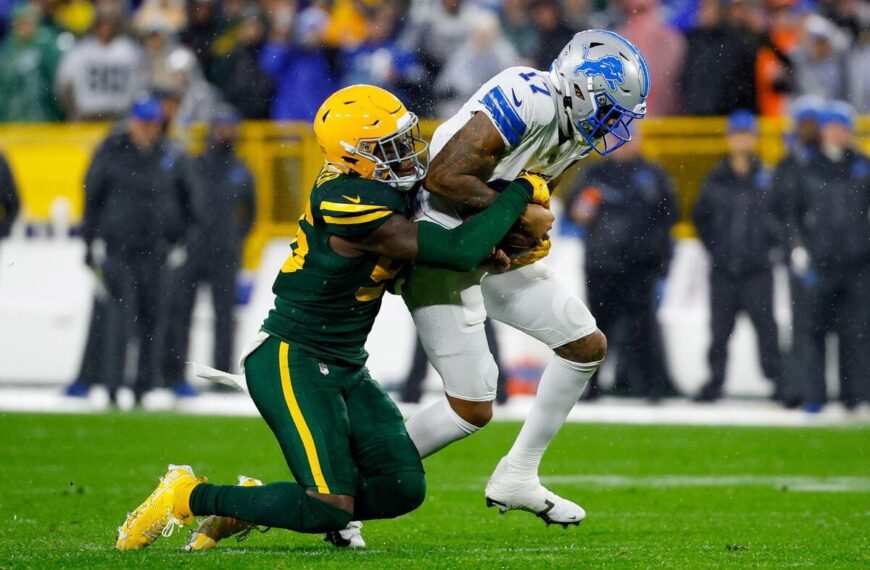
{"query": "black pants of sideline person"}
pixel 90 370
pixel 840 302
pixel 219 270
pixel 800 361
pixel 135 313
pixel 625 310
pixel 729 295
pixel 412 387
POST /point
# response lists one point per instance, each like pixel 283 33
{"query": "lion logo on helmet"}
pixel 609 67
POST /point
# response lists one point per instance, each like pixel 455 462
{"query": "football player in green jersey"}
pixel 342 437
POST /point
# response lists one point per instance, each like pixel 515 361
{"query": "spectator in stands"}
pixel 138 201
pixel 833 212
pixel 168 15
pixel 9 203
pixel 101 74
pixel 198 97
pixel 646 29
pixel 157 45
pixel 28 60
pixel 519 29
pixel 820 60
pixel 628 207
pixel 239 76
pixel 718 74
pixel 435 30
pixel 204 25
pixel 859 73
pixel 553 33
pixel 298 64
pixel 734 221
pixel 803 146
pixel 382 60
pixel 214 250
pixel 74 16
pixel 774 69
pixel 483 55
pixel 849 15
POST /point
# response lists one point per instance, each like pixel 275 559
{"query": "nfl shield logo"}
pixel 323 369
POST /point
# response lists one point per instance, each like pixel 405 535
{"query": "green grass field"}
pixel 656 497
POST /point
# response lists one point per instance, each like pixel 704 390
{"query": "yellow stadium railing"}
pixel 49 163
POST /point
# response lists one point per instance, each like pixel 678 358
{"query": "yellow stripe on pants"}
pixel 299 419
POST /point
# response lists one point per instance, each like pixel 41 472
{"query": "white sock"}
pixel 561 385
pixel 437 427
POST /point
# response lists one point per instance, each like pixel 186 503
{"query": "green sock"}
pixel 279 505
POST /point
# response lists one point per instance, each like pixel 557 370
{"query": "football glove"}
pixel 540 251
pixel 540 190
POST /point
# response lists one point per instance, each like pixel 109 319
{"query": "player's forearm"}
pixel 465 189
pixel 465 246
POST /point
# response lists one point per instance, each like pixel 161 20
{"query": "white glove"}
pixel 177 256
pixel 800 260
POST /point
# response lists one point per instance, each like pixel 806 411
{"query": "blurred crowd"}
pixel 86 60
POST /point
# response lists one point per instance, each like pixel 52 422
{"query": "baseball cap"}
pixel 146 108
pixel 742 121
pixel 839 112
pixel 807 107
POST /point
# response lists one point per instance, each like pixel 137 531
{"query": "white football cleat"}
pixel 349 537
pixel 509 493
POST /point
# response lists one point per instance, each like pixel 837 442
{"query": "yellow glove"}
pixel 540 251
pixel 540 190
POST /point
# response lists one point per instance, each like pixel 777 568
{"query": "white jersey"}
pixel 104 78
pixel 522 104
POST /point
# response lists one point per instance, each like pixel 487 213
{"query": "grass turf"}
pixel 663 497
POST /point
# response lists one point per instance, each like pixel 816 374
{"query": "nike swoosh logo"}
pixel 355 200
pixel 517 102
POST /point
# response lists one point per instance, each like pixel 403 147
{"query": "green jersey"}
pixel 324 301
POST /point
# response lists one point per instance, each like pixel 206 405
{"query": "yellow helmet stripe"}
pixel 339 207
pixel 358 219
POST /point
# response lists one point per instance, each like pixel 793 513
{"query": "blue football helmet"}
pixel 604 82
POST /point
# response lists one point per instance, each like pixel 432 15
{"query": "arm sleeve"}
pixel 701 215
pixel 96 187
pixel 465 246
pixel 186 194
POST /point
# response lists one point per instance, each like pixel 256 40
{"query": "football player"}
pixel 521 121
pixel 341 435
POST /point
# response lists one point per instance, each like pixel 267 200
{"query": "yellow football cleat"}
pixel 215 528
pixel 163 510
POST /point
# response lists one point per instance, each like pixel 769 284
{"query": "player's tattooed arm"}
pixel 460 170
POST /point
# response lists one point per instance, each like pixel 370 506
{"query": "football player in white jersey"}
pixel 539 122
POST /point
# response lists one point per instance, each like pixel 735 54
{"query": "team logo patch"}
pixel 608 67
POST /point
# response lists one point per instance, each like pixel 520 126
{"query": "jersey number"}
pixel 383 271
pixel 534 86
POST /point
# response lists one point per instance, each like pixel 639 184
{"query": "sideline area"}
pixel 729 412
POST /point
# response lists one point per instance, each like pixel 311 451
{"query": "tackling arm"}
pixel 461 248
